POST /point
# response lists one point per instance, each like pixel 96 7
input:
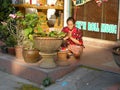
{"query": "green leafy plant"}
pixel 30 21
pixel 21 27
pixel 5 10
pixel 43 31
pixel 47 82
pixel 15 27
pixel 10 41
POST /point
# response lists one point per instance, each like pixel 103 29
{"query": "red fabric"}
pixel 77 34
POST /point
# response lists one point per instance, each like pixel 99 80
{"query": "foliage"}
pixel 3 33
pixel 30 21
pixel 20 27
pixel 23 28
pixel 28 44
pixel 43 31
pixel 15 27
pixel 47 82
pixel 47 33
pixel 5 10
pixel 10 41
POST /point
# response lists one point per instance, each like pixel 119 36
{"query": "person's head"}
pixel 70 22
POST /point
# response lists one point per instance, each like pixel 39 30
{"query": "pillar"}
pixel 67 10
pixel 118 33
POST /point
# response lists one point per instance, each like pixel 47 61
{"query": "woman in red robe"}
pixel 73 38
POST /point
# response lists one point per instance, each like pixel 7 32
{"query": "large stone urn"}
pixel 48 47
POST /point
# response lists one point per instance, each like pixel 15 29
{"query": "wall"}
pixel 99 22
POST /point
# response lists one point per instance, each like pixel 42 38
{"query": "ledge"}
pixel 32 72
pixel 37 7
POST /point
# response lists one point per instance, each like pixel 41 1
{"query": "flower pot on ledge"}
pixel 19 51
pixel 48 47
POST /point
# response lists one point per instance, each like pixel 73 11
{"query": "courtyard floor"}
pixel 96 70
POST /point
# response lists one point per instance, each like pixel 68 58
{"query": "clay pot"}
pixel 31 56
pixel 11 51
pixel 62 58
pixel 18 52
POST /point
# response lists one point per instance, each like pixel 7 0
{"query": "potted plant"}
pixel 10 43
pixel 3 37
pixel 30 53
pixel 15 29
pixel 5 10
pixel 47 41
pixel 20 27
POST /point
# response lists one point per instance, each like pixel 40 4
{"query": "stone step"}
pixel 32 72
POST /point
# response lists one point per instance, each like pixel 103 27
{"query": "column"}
pixel 67 10
pixel 118 33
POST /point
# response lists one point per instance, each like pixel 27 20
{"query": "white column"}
pixel 67 10
pixel 118 33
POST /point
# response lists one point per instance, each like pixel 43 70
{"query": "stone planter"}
pixel 48 47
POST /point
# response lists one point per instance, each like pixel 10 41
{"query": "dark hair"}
pixel 71 19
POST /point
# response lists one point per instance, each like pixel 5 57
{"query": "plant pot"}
pixel 116 55
pixel 47 44
pixel 62 58
pixel 31 56
pixel 11 51
pixel 18 52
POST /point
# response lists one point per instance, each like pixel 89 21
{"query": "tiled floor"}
pixel 99 58
pixel 98 54
pixel 93 56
